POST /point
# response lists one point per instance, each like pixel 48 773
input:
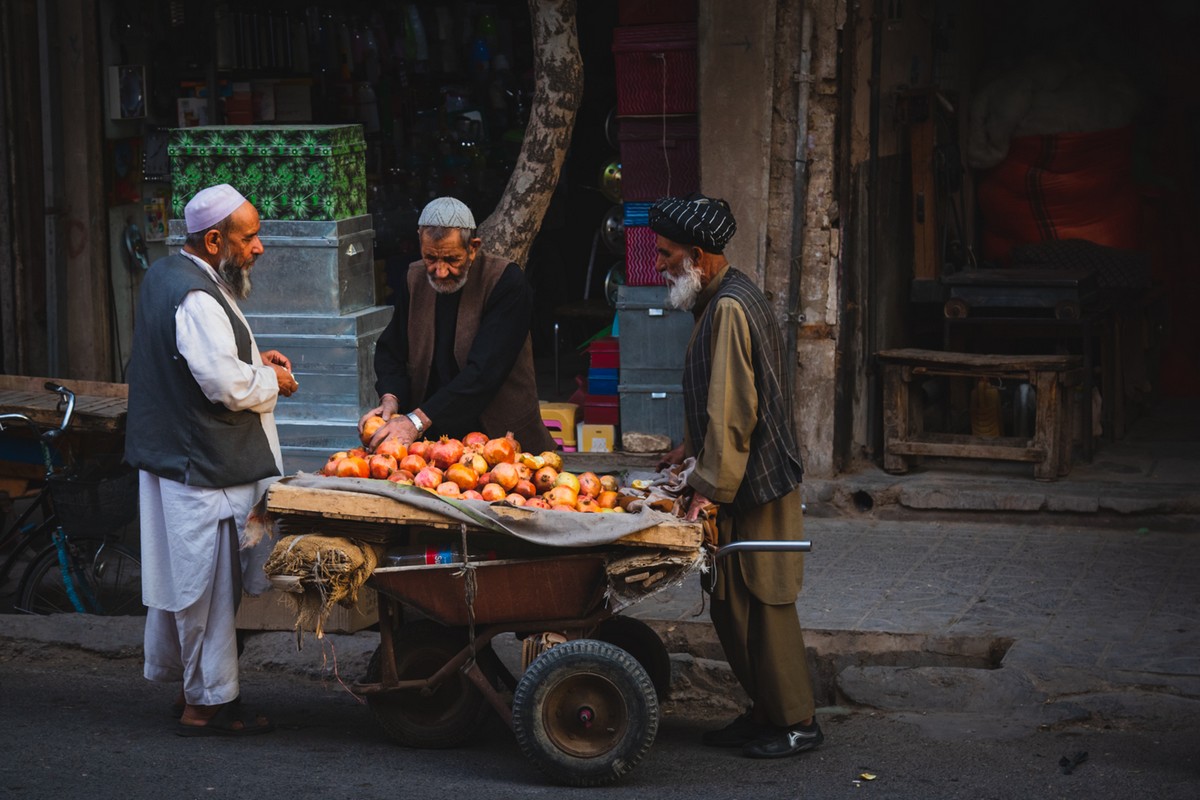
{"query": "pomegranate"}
pixel 401 476
pixel 499 451
pixel 589 484
pixel 562 507
pixel 484 479
pixel 475 440
pixel 608 483
pixel 357 451
pixel 530 460
pixel 420 448
pixel 471 494
pixel 607 499
pixel 536 502
pixel 562 495
pixel 505 474
pixel 515 499
pixel 463 476
pixel 330 467
pixel 428 478
pixel 353 467
pixel 445 451
pixel 587 503
pixel 393 447
pixel 552 459
pixel 544 478
pixel 448 489
pixel 525 488
pixel 382 465
pixel 413 463
pixel 475 462
pixel 492 492
pixel 370 427
pixel 569 480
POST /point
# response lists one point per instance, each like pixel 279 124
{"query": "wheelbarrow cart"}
pixel 585 709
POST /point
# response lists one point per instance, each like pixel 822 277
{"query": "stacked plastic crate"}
pixel 654 49
pixel 655 54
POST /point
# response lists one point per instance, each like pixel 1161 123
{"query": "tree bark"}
pixel 558 87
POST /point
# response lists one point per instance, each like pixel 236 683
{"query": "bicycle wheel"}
pixel 106 578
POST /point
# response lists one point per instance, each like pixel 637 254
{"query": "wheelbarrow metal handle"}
pixel 781 546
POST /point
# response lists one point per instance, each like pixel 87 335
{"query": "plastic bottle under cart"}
pixel 428 555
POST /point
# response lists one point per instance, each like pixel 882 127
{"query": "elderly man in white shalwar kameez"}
pixel 201 430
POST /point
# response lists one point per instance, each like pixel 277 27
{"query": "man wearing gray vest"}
pixel 201 431
pixel 738 410
pixel 457 356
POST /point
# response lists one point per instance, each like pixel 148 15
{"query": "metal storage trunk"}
pixel 652 409
pixel 324 267
pixel 654 338
pixel 289 172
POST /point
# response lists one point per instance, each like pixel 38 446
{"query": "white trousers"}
pixel 198 645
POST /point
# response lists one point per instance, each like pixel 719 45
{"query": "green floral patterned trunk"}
pixel 294 172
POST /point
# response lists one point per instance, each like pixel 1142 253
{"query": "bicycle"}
pixel 80 568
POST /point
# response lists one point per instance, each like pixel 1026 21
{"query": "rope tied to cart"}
pixel 470 587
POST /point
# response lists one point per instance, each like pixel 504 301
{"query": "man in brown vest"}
pixel 457 356
pixel 738 410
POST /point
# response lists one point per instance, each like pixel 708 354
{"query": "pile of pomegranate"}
pixel 478 468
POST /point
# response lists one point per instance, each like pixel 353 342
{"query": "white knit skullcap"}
pixel 210 206
pixel 447 212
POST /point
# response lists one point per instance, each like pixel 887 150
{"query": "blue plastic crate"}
pixel 602 381
pixel 637 213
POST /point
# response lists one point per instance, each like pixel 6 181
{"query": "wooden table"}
pixel 903 417
pixel 98 422
pixel 99 407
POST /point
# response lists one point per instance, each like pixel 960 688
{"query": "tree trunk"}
pixel 558 86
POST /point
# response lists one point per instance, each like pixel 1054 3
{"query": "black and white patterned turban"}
pixel 705 222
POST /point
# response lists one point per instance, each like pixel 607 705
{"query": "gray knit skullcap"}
pixel 447 212
pixel 705 222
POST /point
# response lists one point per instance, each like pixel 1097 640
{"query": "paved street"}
pixel 953 660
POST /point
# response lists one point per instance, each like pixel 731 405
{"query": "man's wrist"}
pixel 417 422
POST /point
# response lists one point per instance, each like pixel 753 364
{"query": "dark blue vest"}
pixel 173 430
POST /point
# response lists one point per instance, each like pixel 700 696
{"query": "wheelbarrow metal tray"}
pixel 506 591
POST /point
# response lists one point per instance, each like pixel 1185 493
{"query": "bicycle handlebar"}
pixel 65 396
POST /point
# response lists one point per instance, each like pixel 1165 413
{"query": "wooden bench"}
pixel 1052 377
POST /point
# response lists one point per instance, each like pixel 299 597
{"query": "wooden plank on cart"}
pixel 362 507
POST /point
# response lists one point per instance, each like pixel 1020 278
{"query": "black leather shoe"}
pixel 738 733
pixel 786 742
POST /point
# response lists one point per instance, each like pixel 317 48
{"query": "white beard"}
pixel 236 278
pixel 683 290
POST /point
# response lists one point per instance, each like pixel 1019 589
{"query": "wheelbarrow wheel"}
pixel 643 643
pixel 585 713
pixel 449 714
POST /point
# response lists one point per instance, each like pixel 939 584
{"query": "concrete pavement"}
pixel 1024 624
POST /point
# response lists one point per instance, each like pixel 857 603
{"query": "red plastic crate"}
pixel 605 353
pixel 656 69
pixel 659 157
pixel 654 12
pixel 602 409
pixel 640 256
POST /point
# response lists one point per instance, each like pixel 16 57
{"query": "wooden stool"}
pixel 903 415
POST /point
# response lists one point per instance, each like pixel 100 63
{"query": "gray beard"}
pixel 236 278
pixel 683 291
pixel 444 288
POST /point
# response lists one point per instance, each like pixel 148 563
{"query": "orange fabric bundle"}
pixel 1061 186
